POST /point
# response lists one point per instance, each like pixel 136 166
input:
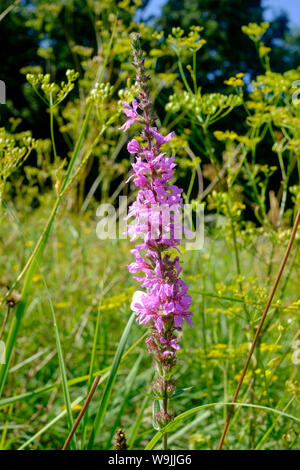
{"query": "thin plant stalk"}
pixel 82 411
pixel 266 435
pixel 62 368
pixel 92 363
pixel 4 322
pixel 49 425
pixel 110 383
pixel 51 108
pixel 165 436
pixel 259 328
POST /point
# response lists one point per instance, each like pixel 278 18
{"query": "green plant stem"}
pixel 4 322
pixel 238 265
pixel 110 383
pixel 75 381
pixel 266 435
pixel 194 74
pixel 62 368
pixel 31 267
pixel 9 9
pixel 92 364
pixel 165 436
pixel 183 76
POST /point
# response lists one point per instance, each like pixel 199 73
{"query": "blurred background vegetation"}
pixel 50 37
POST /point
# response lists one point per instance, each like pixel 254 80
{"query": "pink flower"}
pixel 131 113
pixel 133 146
pixel 172 343
pixel 160 139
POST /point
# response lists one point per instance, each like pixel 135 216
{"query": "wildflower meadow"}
pixel 149 240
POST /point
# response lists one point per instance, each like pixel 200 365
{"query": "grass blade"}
pixel 176 422
pixel 111 380
pixel 77 380
pixel 62 368
pixel 92 364
pixel 130 380
pixel 266 435
pixel 37 253
pixel 82 411
pixel 50 424
pixel 138 422
pixel 32 266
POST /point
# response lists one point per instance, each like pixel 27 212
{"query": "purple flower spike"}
pixel 164 303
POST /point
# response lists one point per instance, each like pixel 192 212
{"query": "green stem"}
pixel 183 76
pixel 266 435
pixel 52 129
pixel 165 437
pixel 194 74
pixel 77 146
pixel 31 268
pixel 92 365
pixel 62 368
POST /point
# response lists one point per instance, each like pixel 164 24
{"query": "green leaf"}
pixel 48 425
pixel 77 380
pixel 110 383
pixel 138 422
pixel 62 369
pixel 129 382
pixel 174 424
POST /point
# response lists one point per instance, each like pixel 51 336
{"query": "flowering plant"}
pixel 165 304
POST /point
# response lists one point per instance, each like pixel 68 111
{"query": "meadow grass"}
pixel 210 361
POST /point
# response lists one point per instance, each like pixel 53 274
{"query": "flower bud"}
pixel 163 418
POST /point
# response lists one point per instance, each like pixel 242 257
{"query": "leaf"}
pixel 62 369
pixel 173 425
pixel 129 382
pixel 110 383
pixel 48 425
pixel 49 388
pixel 156 407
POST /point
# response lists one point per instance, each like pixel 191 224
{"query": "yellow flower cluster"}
pixel 255 31
pixel 54 93
pixel 235 81
pixel 117 301
pixel 186 44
